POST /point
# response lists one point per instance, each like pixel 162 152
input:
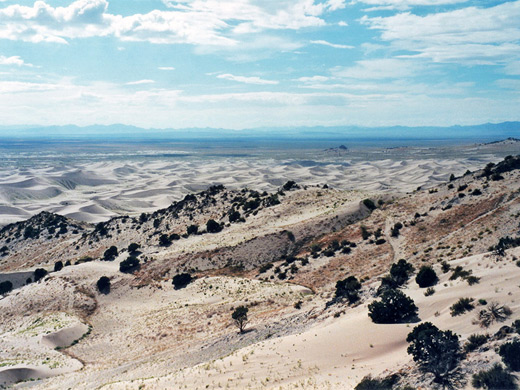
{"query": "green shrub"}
pixel 266 267
pixel 130 265
pixel 434 350
pixel 495 378
pixel 516 326
pixel 5 287
pixel 348 288
pixel 459 272
pixel 475 341
pixel 401 271
pixel 472 280
pixel 369 203
pixel 494 312
pixel 192 229
pixel 110 254
pixel 213 226
pixel 462 306
pixel 429 292
pixel 365 233
pixel 164 240
pixel 39 273
pixel 426 277
pixel 181 280
pixel 510 353
pixel 369 383
pixel 103 285
pixel 393 307
pixel 133 247
pixel 58 266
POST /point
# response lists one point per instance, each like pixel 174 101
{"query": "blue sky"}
pixel 259 63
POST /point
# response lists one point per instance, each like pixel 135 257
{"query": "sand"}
pixel 339 352
pixel 94 192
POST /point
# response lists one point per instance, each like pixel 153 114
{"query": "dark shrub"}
pixel 329 252
pixel 396 229
pixel 28 281
pixel 475 341
pixel 111 253
pixel 251 204
pixel 434 350
pixel 387 283
pixel 234 216
pixel 68 263
pixel 133 247
pixel 289 185
pixel 369 203
pixel 459 272
pixel 181 280
pixel 239 317
pixel 192 229
pixel 265 268
pixel 510 353
pixel 164 240
pixel 174 237
pixel 30 232
pixel 39 273
pixel 401 271
pixel 494 312
pixel 380 241
pixel 369 383
pixel 365 234
pixel 348 288
pixel 516 326
pixel 213 226
pixel 496 378
pixel 130 265
pixel 5 287
pixel 393 307
pixel 426 277
pixel 462 306
pixel 103 285
pixel 58 266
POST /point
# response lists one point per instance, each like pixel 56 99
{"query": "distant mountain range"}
pixel 119 131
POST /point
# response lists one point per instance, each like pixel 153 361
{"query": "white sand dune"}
pixel 94 192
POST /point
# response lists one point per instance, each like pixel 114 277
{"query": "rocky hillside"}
pixel 278 254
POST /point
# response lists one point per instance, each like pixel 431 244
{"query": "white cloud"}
pixel 469 35
pixel 334 45
pixel 166 68
pixel 13 60
pixel 247 80
pixel 379 5
pixel 314 79
pixel 381 68
pixel 43 23
pixel 198 22
pixel 140 82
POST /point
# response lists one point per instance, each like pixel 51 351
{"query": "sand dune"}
pixel 97 191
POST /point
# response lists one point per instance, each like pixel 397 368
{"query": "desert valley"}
pixel 149 300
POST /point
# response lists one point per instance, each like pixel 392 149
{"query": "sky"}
pixel 259 63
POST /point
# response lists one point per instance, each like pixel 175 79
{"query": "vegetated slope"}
pixel 313 237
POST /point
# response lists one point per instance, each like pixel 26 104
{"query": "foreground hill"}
pixel 278 254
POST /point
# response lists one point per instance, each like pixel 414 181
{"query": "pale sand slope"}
pixel 96 191
pixel 338 353
pixel 28 347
